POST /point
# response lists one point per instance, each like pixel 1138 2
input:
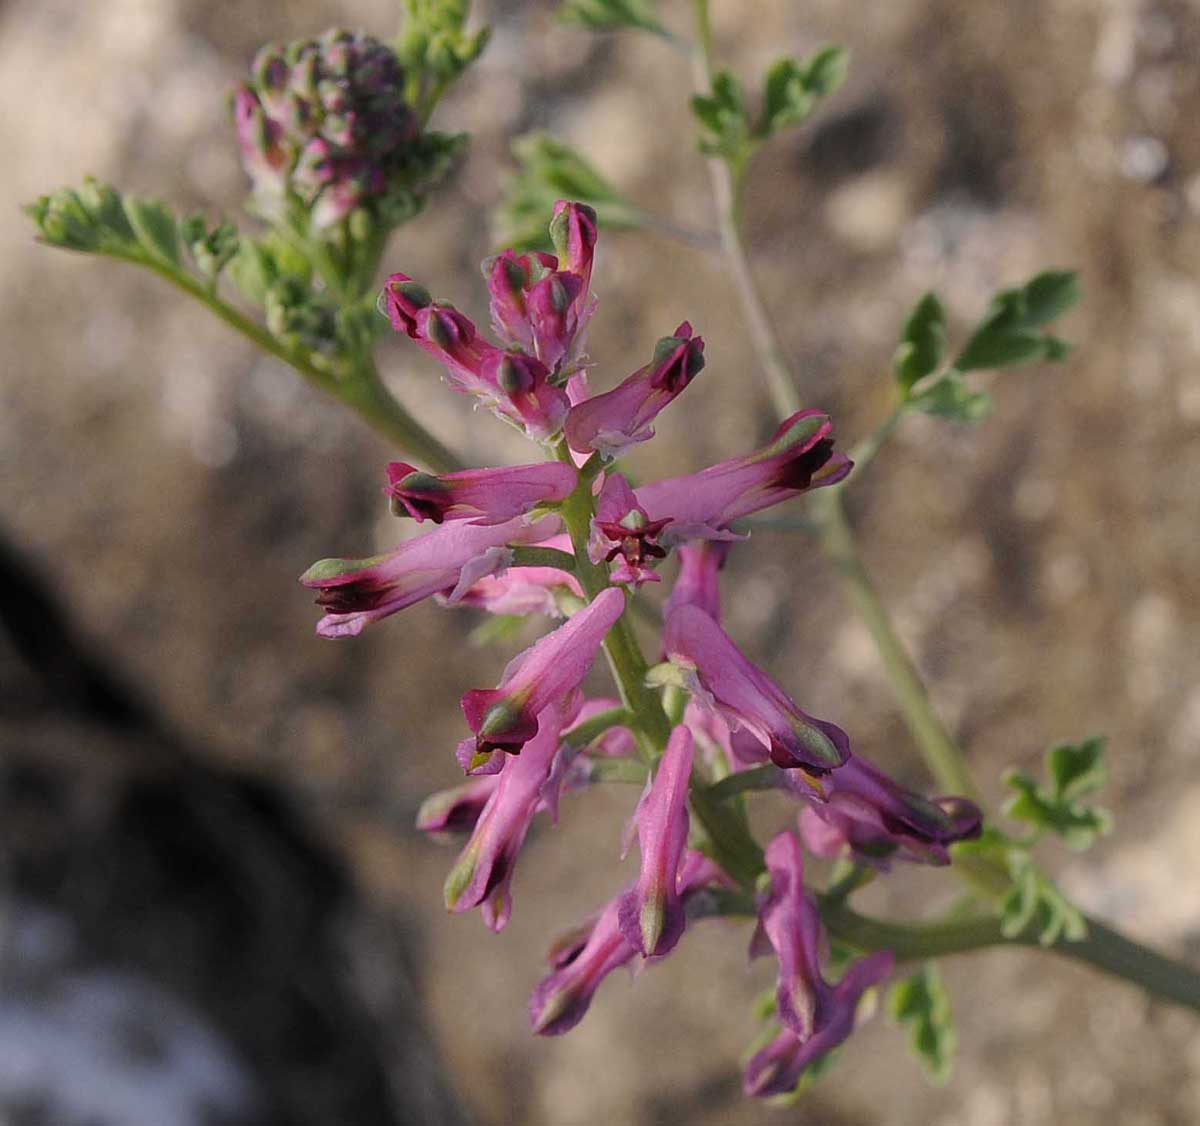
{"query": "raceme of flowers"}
pixel 535 735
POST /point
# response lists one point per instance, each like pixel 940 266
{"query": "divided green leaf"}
pixel 921 344
pixel 950 397
pixel 723 119
pixel 549 170
pixel 1074 771
pixel 922 1002
pixel 1008 334
pixel 611 15
pixel 793 87
pixel 156 229
pixel 1034 905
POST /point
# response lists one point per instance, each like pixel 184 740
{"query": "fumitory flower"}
pixel 800 456
pixel 483 496
pixel 483 872
pixel 513 384
pixel 816 1016
pixel 621 528
pixel 719 675
pixel 584 957
pixel 651 913
pixel 525 590
pixel 875 818
pixel 450 559
pixel 619 418
pixel 505 718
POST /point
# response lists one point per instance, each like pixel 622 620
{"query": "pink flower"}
pixel 620 528
pixel 450 559
pixel 587 954
pixel 505 718
pixel 873 817
pixel 799 457
pixel 263 155
pixel 483 496
pixel 651 913
pixel 816 1016
pixel 516 386
pixel 483 873
pixel 723 678
pixel 458 809
pixel 620 418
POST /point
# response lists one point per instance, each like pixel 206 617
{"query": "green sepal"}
pixel 923 1003
pixel 1073 771
pixel 793 87
pixel 922 343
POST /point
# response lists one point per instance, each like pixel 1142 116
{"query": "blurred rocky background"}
pixel 214 897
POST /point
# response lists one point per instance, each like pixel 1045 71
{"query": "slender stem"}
pixel 701 240
pixel 864 452
pixel 365 394
pixel 726 193
pixel 941 753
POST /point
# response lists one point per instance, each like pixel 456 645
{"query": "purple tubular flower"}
pixel 482 875
pixel 621 417
pixel 799 457
pixel 698 583
pixel 450 559
pixel 621 529
pixel 505 718
pixel 512 384
pixel 878 820
pixel 748 698
pixel 587 954
pixel 817 1016
pixel 456 810
pixel 483 496
pixel 651 913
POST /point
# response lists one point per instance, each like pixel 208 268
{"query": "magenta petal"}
pixel 799 457
pixel 747 697
pixel 483 496
pixel 483 872
pixel 651 913
pixel 503 718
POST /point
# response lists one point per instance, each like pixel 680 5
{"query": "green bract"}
pixel 922 1003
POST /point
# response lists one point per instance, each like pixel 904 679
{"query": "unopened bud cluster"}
pixel 325 122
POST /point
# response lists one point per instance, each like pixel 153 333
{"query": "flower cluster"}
pixel 570 537
pixel 324 121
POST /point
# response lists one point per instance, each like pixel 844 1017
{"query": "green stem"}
pixel 726 186
pixel 365 393
pixel 864 452
pixel 620 646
